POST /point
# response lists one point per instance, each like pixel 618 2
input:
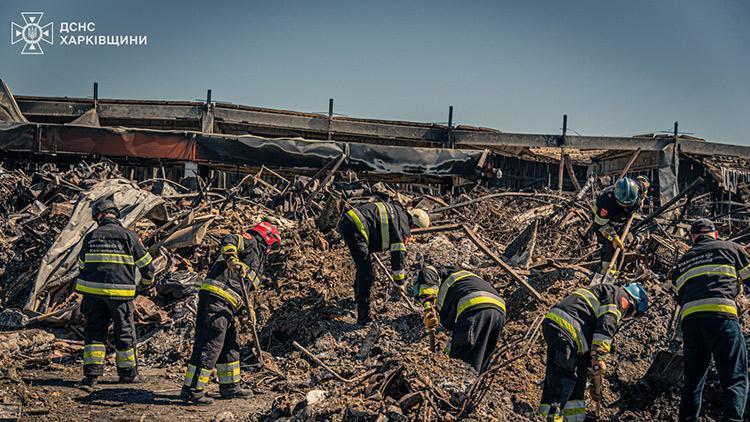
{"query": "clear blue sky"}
pixel 615 67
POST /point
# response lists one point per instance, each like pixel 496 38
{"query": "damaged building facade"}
pixel 515 207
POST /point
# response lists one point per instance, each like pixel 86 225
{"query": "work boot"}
pixel 363 316
pixel 89 384
pixel 130 379
pixel 189 398
pixel 232 391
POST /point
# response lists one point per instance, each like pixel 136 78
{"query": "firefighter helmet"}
pixel 639 296
pixel 419 217
pixel 626 191
pixel 103 206
pixel 269 233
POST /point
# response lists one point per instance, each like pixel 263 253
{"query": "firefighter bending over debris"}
pixel 108 260
pixel 239 266
pixel 579 331
pixel 465 304
pixel 613 207
pixel 378 227
pixel 707 280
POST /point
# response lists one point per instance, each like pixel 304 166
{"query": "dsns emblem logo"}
pixel 32 33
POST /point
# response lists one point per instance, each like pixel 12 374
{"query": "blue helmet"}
pixel 626 191
pixel 639 296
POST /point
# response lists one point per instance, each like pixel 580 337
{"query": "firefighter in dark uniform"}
pixel 220 298
pixel 579 331
pixel 378 227
pixel 467 305
pixel 613 207
pixel 707 279
pixel 108 261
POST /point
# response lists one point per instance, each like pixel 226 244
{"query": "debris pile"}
pixel 533 246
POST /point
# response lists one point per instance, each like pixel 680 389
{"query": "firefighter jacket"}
pixel 108 261
pixel 250 251
pixel 592 316
pixel 707 278
pixel 609 213
pixel 385 227
pixel 454 291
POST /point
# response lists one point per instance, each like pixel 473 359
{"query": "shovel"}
pixel 668 365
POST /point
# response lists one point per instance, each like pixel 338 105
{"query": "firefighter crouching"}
pixel 613 207
pixel 465 304
pixel 378 227
pixel 707 280
pixel 220 298
pixel 579 331
pixel 108 261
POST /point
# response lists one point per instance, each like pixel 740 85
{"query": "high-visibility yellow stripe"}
pixel 399 275
pixel 725 309
pixel 603 341
pixel 221 292
pixel 479 301
pixel 450 281
pixel 105 291
pixel 702 270
pixel 357 222
pixel 744 273
pixel 108 258
pixel 611 309
pixel 398 247
pixel 590 298
pixel 385 238
pixel 228 373
pixel 567 326
pixel 600 220
pixel 126 358
pixel 145 260
pixel 428 291
pixel 189 374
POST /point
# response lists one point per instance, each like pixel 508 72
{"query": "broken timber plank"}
pixel 437 229
pixel 507 268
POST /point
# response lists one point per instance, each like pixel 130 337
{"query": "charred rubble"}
pixel 533 245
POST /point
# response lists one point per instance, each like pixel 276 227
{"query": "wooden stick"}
pixel 507 268
pixel 328 368
pixel 626 169
pixel 400 292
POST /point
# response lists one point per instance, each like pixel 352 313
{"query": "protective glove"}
pixel 598 365
pixel 251 314
pixel 430 319
pixel 238 268
pixel 617 243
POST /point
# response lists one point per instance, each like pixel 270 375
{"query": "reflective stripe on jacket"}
pixel 591 316
pixel 455 292
pixel 108 261
pixel 708 278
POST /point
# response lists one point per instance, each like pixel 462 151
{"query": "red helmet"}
pixel 269 233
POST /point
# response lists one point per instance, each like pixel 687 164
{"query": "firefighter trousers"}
pixel 365 275
pixel 215 346
pixel 565 378
pixel 99 312
pixel 475 336
pixel 722 339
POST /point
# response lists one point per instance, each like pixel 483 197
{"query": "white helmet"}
pixel 419 217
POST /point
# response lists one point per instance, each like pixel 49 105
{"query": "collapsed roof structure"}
pixel 494 207
pixel 187 138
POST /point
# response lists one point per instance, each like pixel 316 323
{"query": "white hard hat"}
pixel 419 217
